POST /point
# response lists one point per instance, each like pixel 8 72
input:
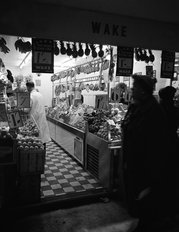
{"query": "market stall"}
pixel 22 156
pixel 90 130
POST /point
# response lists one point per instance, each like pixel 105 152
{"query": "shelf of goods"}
pixel 71 139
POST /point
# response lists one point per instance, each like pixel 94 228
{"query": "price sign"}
pixel 167 66
pixel 42 55
pixel 124 61
pixel 101 102
pixel 149 70
pixel 14 119
pixel 115 95
pixel 23 100
pixel 3 113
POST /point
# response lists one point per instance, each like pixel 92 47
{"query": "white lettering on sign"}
pixel 125 63
pixel 42 57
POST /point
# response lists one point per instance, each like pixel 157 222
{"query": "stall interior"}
pixel 85 100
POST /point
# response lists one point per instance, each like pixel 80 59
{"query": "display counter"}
pixel 71 139
pixel 104 162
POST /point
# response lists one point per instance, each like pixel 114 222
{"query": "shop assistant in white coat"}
pixel 37 112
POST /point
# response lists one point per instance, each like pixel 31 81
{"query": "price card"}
pixel 3 113
pixel 124 61
pixel 14 119
pixel 168 64
pixel 23 100
pixel 115 95
pixel 101 102
pixel 42 55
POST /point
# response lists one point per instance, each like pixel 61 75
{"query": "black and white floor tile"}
pixel 63 175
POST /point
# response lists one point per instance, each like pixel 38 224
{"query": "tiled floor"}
pixel 64 175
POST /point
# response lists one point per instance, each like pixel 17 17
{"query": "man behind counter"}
pixel 37 112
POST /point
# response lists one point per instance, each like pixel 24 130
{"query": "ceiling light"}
pixel 26 60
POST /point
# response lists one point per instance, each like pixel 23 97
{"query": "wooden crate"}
pixel 28 189
pixel 8 181
pixel 30 162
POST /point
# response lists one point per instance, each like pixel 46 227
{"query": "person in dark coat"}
pixel 167 103
pixel 143 146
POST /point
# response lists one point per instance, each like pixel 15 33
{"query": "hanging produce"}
pixel 111 66
pixel 69 50
pixel 146 59
pixel 80 51
pixel 141 55
pixel 101 52
pixel 93 49
pixel 62 48
pixel 3 47
pixel 23 46
pixel 87 50
pixel 151 56
pixel 56 48
pixel 74 53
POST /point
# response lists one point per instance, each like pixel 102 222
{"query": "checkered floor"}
pixel 63 175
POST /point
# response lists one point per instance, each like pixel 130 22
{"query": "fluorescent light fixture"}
pixel 26 60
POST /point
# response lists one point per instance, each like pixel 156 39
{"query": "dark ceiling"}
pixel 159 10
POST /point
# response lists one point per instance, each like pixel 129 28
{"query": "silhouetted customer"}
pixel 144 141
pixel 167 102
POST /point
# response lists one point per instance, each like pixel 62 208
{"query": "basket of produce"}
pixel 30 155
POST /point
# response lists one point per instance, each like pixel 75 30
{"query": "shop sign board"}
pixel 14 119
pixel 42 55
pixel 168 64
pixel 101 102
pixel 23 100
pixel 3 113
pixel 124 61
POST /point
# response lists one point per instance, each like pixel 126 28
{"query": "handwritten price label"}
pixel 102 102
pixel 115 95
pixel 23 100
pixel 14 119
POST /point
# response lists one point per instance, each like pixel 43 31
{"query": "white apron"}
pixel 37 113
